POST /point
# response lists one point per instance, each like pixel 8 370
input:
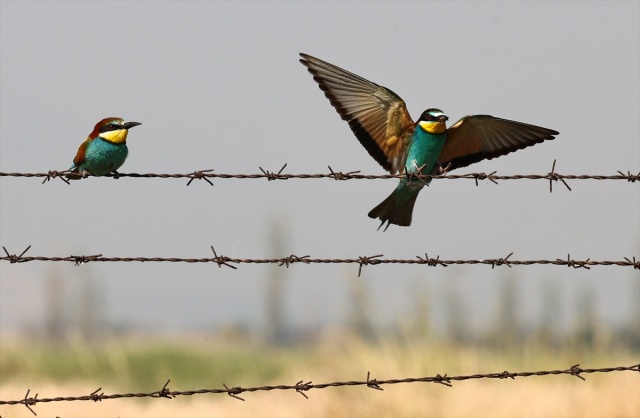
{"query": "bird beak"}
pixel 130 125
pixel 443 118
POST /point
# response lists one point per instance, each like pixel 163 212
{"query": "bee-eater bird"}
pixel 380 120
pixel 104 150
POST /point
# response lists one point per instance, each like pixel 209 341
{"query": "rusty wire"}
pixel 222 260
pixel 339 175
pixel 301 386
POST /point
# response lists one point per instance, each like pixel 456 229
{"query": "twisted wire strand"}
pixel 361 261
pixel 337 175
pixel 301 386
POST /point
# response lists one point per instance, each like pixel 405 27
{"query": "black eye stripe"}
pixel 110 127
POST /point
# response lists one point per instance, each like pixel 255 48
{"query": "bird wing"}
pixel 80 155
pixel 377 116
pixel 478 137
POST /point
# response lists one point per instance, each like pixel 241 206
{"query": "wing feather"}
pixel 377 116
pixel 81 154
pixel 478 137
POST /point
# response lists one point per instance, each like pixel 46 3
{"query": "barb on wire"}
pixel 350 175
pixel 432 261
pixel 373 384
pixel 365 261
pixel 234 392
pixel 630 177
pixel 301 387
pixel 82 259
pixel 12 258
pixel 484 176
pixel 294 259
pixel 200 175
pixel 95 396
pixel 361 261
pixel 553 176
pixel 221 260
pixel 274 176
pixel 53 174
pixel 29 402
pixel 345 176
pixel 164 392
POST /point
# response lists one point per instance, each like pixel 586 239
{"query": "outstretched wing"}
pixel 377 116
pixel 478 137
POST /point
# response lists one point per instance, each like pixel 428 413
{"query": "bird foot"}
pixel 443 170
pixel 416 174
pixel 420 168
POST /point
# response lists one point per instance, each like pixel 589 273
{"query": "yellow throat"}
pixel 118 136
pixel 433 127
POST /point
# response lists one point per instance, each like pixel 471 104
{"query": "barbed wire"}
pixel 301 386
pixel 338 175
pixel 222 260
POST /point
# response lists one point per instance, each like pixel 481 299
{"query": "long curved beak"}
pixel 129 125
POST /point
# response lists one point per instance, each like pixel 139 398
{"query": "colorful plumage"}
pixel 380 120
pixel 104 150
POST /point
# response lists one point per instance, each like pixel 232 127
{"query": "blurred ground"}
pixel 201 362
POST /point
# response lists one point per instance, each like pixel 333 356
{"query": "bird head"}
pixel 433 121
pixel 113 130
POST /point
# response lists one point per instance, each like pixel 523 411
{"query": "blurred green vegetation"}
pixel 142 365
pixel 139 365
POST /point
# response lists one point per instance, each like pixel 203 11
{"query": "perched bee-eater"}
pixel 380 120
pixel 104 150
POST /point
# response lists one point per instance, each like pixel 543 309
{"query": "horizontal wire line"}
pixel 221 260
pixel 301 387
pixel 346 176
pixel 338 175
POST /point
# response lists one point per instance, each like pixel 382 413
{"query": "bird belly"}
pixel 103 157
pixel 424 152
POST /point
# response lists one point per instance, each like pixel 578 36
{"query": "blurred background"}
pixel 217 85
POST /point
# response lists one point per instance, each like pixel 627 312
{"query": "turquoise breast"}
pixel 103 157
pixel 424 150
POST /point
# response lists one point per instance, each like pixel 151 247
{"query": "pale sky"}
pixel 218 85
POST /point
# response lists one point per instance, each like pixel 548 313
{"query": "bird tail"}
pixel 397 208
